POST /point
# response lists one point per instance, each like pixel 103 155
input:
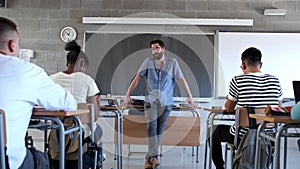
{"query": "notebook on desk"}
pixel 296 88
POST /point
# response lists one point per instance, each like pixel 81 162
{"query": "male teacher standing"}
pixel 160 72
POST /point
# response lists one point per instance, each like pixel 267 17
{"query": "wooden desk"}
pixel 274 119
pixel 119 126
pixel 58 113
pixel 40 113
pixel 180 131
pixel 282 131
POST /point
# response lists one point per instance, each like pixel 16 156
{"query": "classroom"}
pixel 206 38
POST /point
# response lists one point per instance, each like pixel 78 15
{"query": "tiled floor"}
pixel 172 158
pixel 181 158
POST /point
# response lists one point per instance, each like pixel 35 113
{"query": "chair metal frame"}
pixel 91 108
pixel 211 119
pixel 213 116
pixel 2 139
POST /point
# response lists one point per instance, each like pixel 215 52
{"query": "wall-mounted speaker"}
pixel 3 3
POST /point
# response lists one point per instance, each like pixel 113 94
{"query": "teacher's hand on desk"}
pixel 191 102
pixel 125 102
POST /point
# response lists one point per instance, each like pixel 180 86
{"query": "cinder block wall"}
pixel 40 21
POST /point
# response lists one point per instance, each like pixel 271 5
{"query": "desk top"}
pixel 102 107
pixel 273 119
pixel 43 112
pixel 221 111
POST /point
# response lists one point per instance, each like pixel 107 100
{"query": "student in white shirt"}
pixel 82 86
pixel 23 85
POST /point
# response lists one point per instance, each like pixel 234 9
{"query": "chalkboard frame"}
pixel 206 92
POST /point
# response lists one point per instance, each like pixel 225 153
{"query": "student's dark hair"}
pixel 252 56
pixel 75 53
pixel 160 42
pixel 6 26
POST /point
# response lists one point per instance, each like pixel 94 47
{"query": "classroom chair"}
pixel 212 120
pixel 94 147
pixel 240 120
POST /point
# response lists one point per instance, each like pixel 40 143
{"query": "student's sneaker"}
pixel 155 163
pixel 148 165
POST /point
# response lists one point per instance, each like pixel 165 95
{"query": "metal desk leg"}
pixel 206 142
pixel 285 152
pixel 257 149
pixel 193 153
pixel 195 112
pixel 45 138
pixel 61 141
pixel 277 148
pixel 2 153
pixel 208 123
pixel 197 154
pixel 277 145
pixel 210 139
pixel 80 161
pixel 205 153
pixel 119 138
pixel 118 147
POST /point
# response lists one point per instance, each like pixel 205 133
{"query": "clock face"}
pixel 68 34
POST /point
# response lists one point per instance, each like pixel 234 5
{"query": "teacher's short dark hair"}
pixel 160 42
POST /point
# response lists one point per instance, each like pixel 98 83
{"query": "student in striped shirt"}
pixel 250 89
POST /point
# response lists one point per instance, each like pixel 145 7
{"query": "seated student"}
pixel 83 88
pixel 250 89
pixel 295 115
pixel 22 86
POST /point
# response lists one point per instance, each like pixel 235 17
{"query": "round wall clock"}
pixel 68 34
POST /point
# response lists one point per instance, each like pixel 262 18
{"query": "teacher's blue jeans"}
pixel 156 118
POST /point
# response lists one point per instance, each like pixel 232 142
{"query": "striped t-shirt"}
pixel 255 90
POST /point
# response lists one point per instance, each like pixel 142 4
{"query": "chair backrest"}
pixel 2 139
pixel 88 118
pixel 242 115
pixel 244 148
pixel 242 120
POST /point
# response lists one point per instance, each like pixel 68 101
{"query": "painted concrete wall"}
pixel 40 21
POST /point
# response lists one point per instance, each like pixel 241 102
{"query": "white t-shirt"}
pixel 23 85
pixel 80 85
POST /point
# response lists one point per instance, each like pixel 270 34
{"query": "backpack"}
pixel 71 145
pixel 89 156
pixel 245 154
pixel 41 160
